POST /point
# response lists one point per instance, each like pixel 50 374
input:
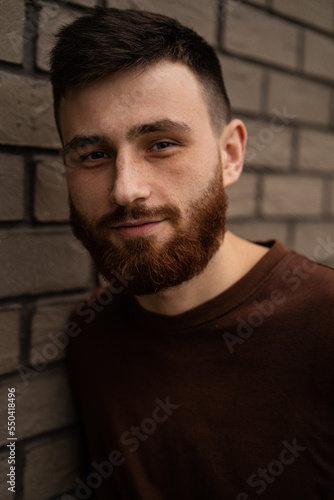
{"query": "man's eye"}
pixel 161 145
pixel 95 155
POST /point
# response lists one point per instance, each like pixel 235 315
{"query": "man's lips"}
pixel 137 228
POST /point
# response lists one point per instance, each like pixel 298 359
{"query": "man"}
pixel 204 370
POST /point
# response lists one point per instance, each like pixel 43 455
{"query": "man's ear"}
pixel 232 146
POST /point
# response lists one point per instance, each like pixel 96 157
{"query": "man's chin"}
pixel 155 268
pixel 157 262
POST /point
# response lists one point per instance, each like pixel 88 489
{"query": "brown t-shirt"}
pixel 233 400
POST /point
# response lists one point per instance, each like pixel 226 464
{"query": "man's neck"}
pixel 233 260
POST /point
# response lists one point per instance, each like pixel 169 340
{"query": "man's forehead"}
pixel 165 91
pixel 140 82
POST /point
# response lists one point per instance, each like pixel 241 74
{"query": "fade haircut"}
pixel 106 41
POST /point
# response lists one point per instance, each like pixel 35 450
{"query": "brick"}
pixel 269 143
pixel 332 198
pixel 52 17
pixel 316 150
pixel 85 3
pixel 51 468
pixel 260 231
pixel 11 34
pixel 254 33
pixel 9 339
pixel 45 402
pixel 26 112
pixel 307 101
pixel 48 326
pixel 51 194
pixel 230 5
pixel 4 467
pixel 310 240
pixel 242 196
pixel 244 83
pixel 318 13
pixel 292 196
pixel 319 55
pixel 11 187
pixel 3 414
pixel 123 4
pixel 38 262
pixel 200 16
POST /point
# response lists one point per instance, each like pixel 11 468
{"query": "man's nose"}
pixel 130 181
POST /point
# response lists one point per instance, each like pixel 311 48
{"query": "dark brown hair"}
pixel 105 42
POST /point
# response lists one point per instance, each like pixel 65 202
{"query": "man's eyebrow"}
pixel 157 126
pixel 79 141
pixel 165 125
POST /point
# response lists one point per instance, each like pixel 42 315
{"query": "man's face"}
pixel 145 175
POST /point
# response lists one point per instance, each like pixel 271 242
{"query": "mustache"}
pixel 138 213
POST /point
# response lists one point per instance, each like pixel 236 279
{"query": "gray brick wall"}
pixel 277 60
pixel 277 57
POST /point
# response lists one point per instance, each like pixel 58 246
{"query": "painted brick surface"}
pixel 11 33
pixel 123 4
pixel 3 413
pixel 292 196
pixel 4 467
pixel 319 13
pixel 260 231
pixel 242 196
pixel 316 44
pixel 9 339
pixel 26 114
pixel 254 33
pixel 48 327
pixel 243 82
pixel 46 399
pixel 85 3
pixel 269 143
pixel 313 240
pixel 201 16
pixel 286 191
pixel 51 194
pixel 316 151
pixel 306 100
pixel 56 263
pixel 52 17
pixel 11 187
pixel 51 467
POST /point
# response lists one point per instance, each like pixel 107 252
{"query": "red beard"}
pixel 156 267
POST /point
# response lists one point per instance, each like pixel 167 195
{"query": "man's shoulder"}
pixel 317 274
pixel 308 289
pixel 304 287
pixel 293 273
